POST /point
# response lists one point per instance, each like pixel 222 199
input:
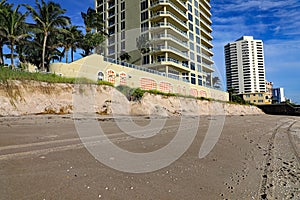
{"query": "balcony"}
pixel 158 5
pixel 206 33
pixel 206 25
pixel 206 3
pixel 164 37
pixel 206 42
pixel 176 51
pixel 169 25
pixel 170 14
pixel 207 59
pixel 206 49
pixel 203 7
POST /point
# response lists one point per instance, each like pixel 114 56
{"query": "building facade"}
pixel 169 36
pixel 245 69
pixel 278 95
pixel 96 67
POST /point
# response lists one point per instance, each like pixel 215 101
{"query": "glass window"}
pixel 144 5
pixel 191 36
pixel 122 25
pixel 123 5
pixel 197 31
pixel 197 21
pixel 144 16
pixel 199 68
pixel 192 66
pixel 198 49
pixel 190 8
pixel 199 80
pixel 193 78
pixel 190 17
pixel 122 15
pixel 192 56
pixel 196 12
pixel 191 27
pixel 192 46
pixel 197 40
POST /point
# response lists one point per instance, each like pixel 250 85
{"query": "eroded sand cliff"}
pixel 31 97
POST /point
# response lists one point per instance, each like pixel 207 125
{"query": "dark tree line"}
pixel 50 37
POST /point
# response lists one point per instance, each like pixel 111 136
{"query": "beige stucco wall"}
pixel 90 66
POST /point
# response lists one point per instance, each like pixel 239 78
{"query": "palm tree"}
pixel 13 28
pixel 92 21
pixel 125 56
pixel 48 17
pixel 4 7
pixel 216 82
pixel 69 39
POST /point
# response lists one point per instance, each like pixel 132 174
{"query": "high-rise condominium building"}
pixel 170 36
pixel 245 70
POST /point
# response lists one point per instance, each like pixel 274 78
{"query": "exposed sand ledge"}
pixel 32 97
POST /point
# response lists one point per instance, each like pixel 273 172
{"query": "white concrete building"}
pixel 245 69
pixel 177 33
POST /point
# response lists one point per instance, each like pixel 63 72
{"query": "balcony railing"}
pixel 162 47
pixel 160 24
pixel 169 13
pixel 184 43
pixel 169 2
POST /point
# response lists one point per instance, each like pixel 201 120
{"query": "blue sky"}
pixel 276 22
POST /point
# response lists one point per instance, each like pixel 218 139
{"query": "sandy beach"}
pixel 255 157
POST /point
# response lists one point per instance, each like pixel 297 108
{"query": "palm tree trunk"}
pixel 72 54
pixel 67 55
pixel 1 53
pixel 12 54
pixel 44 51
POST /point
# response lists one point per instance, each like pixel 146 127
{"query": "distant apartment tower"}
pixel 278 95
pixel 177 34
pixel 245 70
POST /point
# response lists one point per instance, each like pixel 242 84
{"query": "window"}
pixel 260 95
pixel 190 8
pixel 122 15
pixel 123 35
pixel 191 27
pixel 122 25
pixel 191 46
pixel 199 58
pixel 144 26
pixel 197 31
pixel 185 76
pixel 123 45
pixel 193 78
pixel 199 68
pixel 197 21
pixel 198 49
pixel 191 36
pixel 144 5
pixel 100 76
pixel 197 40
pixel 196 12
pixel 111 31
pixel 146 59
pixel 111 50
pixel 192 66
pixel 123 5
pixel 196 4
pixel 190 17
pixel 260 101
pixel 199 80
pixel 144 16
pixel 192 56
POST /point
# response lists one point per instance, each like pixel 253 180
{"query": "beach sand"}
pixel 255 157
